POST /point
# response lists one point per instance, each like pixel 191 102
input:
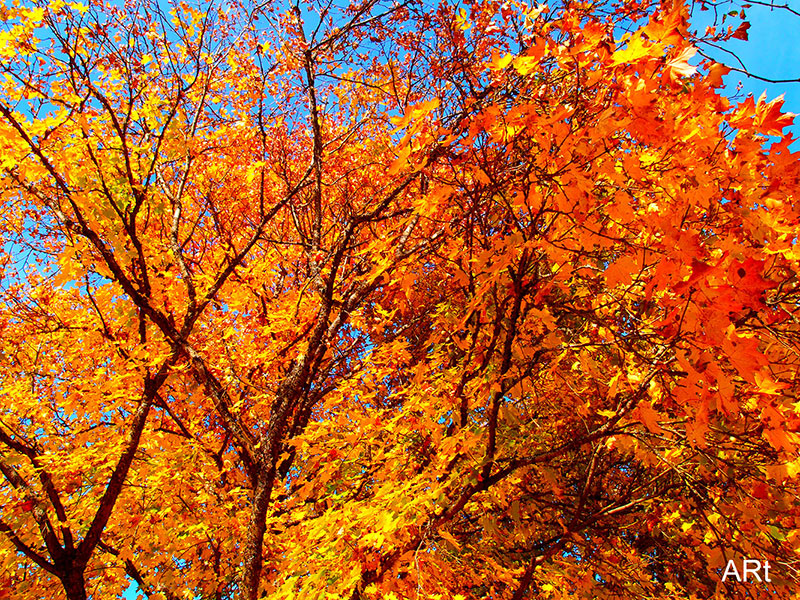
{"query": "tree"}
pixel 391 300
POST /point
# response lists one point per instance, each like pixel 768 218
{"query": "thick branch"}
pixel 115 483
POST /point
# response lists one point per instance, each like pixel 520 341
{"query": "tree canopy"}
pixel 383 300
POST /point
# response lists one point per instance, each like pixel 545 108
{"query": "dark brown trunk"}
pixel 74 584
pixel 255 535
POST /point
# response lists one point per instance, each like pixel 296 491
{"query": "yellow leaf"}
pixel 526 64
pixel 501 62
pixel 636 50
pixel 766 385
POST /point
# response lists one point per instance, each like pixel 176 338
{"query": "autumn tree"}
pixel 392 300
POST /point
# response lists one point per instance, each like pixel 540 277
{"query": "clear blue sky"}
pixel 772 51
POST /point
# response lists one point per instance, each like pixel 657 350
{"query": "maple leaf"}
pixel 679 65
pixel 768 116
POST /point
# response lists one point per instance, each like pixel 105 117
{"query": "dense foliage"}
pixel 392 300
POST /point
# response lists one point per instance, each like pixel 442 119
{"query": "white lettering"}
pixel 754 570
pixel 727 573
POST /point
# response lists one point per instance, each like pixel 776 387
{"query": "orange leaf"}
pixel 769 118
pixel 647 415
pixel 716 73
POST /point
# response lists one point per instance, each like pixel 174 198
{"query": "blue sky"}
pixel 772 51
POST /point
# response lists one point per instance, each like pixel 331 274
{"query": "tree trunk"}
pixel 255 535
pixel 74 584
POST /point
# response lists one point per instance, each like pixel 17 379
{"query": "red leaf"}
pixel 760 491
pixel 741 31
